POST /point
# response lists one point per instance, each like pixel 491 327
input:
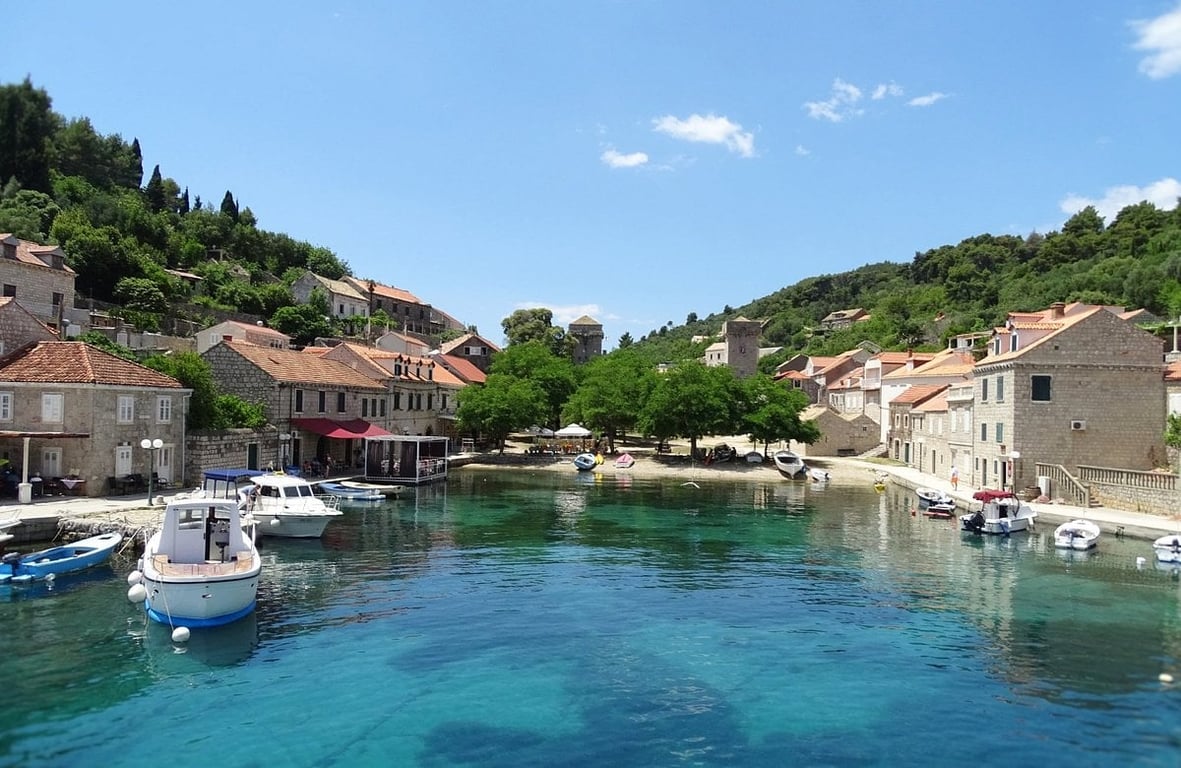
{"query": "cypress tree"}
pixel 154 191
pixel 229 207
pixel 184 202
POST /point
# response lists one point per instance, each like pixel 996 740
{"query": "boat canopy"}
pixel 991 495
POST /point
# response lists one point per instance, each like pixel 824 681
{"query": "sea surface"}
pixel 523 619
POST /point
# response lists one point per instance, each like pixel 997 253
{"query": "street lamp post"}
pixel 151 446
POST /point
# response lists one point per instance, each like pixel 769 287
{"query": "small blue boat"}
pixel 66 558
pixel 585 461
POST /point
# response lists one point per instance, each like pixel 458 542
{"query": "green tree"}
pixel 536 324
pixel 154 192
pixel 534 361
pixel 691 400
pixel 27 214
pixel 193 372
pixel 141 293
pixel 229 207
pixel 232 412
pixel 771 412
pixel 612 392
pixel 27 125
pixel 504 403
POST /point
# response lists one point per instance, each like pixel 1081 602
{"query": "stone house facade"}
pixel 38 277
pixel 344 300
pixel 906 438
pixel 70 410
pixel 1072 385
pixel 316 404
pixel 960 435
pixel 18 327
pixel 847 434
pixel 472 347
pixel 950 366
pixel 232 330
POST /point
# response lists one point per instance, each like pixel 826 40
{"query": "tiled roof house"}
pixel 82 412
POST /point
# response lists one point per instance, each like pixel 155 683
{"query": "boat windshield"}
pixel 303 490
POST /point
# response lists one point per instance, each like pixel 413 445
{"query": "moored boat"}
pixel 943 510
pixel 1001 512
pixel 929 496
pixel 287 506
pixel 1168 548
pixel 383 488
pixel 585 461
pixel 55 561
pixel 348 493
pixel 788 463
pixel 201 568
pixel 624 461
pixel 1076 534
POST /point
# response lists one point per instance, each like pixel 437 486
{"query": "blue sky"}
pixel 635 161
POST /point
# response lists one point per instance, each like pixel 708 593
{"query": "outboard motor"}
pixel 975 523
pixel 13 561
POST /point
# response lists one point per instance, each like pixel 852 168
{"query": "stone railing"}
pixel 1128 478
pixel 1064 484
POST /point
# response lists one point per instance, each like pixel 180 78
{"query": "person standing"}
pixel 955 478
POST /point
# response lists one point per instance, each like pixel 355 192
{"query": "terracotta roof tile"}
pixel 28 252
pixel 463 368
pixel 918 393
pixel 75 362
pixel 298 368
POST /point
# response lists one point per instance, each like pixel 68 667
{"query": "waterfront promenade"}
pixel 43 517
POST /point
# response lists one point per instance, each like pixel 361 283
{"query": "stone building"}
pixel 1072 385
pixel 741 337
pixel 71 412
pixel 841 434
pixel 472 347
pixel 588 339
pixel 19 327
pixel 321 407
pixel 232 330
pixel 38 277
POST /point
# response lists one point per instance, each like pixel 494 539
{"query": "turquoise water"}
pixel 513 619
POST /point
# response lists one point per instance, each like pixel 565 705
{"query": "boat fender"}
pixel 134 578
pixel 138 593
pixel 275 521
pixel 180 635
pixel 1140 561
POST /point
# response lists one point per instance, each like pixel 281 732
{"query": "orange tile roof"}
pixel 27 252
pixel 1081 312
pixel 298 368
pixel 75 362
pixel 918 393
pixel 936 404
pixel 464 368
pixel 447 378
pixel 261 329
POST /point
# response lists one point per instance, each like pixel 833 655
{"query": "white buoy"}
pixel 1140 561
pixel 134 577
pixel 50 577
pixel 180 635
pixel 275 521
pixel 138 593
pixel 1166 678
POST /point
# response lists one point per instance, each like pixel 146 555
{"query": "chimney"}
pixel 1057 310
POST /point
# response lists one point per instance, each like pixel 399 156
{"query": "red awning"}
pixel 355 428
pixel 362 428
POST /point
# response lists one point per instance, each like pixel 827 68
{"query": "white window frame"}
pixel 5 406
pixel 52 407
pixel 163 409
pixel 125 409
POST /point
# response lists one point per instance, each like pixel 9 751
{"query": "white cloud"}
pixel 802 151
pixel 566 314
pixel 616 159
pixel 1163 194
pixel 926 101
pixel 1161 37
pixel 840 105
pixel 708 129
pixel 886 89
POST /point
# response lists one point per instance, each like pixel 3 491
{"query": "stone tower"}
pixel 587 333
pixel 741 337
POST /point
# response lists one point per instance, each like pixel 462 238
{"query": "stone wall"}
pixel 1151 501
pixel 228 449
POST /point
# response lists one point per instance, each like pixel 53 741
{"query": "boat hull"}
pixel 200 602
pixel 1077 535
pixel 1168 548
pixel 584 462
pixel 292 526
pixel 67 558
pixel 789 464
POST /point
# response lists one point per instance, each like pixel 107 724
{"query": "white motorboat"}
pixel 789 464
pixel 1168 548
pixel 1001 512
pixel 349 495
pixel 941 510
pixel 201 568
pixel 818 475
pixel 928 496
pixel 1076 534
pixel 287 506
pixel 389 491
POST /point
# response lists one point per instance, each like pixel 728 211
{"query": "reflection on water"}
pixel 507 618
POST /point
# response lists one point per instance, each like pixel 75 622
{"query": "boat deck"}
pixel 166 567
